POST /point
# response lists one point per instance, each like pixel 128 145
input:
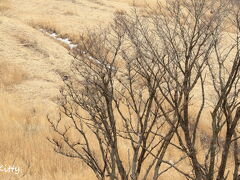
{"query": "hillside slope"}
pixel 29 65
pixel 30 61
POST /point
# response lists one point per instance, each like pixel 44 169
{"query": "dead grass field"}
pixel 29 84
pixel 29 61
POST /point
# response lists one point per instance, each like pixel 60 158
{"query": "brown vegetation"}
pixel 134 84
pixel 11 74
pixel 29 61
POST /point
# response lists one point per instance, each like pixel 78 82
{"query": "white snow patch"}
pixel 71 45
pixel 171 162
pixel 66 41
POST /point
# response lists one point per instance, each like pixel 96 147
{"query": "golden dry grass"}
pixel 23 144
pixel 29 61
pixel 11 74
pixel 4 5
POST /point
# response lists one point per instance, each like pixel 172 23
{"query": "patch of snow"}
pixel 66 41
pixel 54 35
pixel 71 45
pixel 171 162
pixel 100 62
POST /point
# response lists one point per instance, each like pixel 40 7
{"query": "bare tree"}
pixel 133 84
pixel 192 38
pixel 113 97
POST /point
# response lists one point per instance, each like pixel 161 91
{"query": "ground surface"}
pixel 29 65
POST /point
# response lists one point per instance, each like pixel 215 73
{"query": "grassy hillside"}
pixel 30 61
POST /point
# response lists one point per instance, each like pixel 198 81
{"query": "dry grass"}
pixel 4 5
pixel 44 24
pixel 32 45
pixel 52 27
pixel 28 60
pixel 11 74
pixel 139 3
pixel 24 144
